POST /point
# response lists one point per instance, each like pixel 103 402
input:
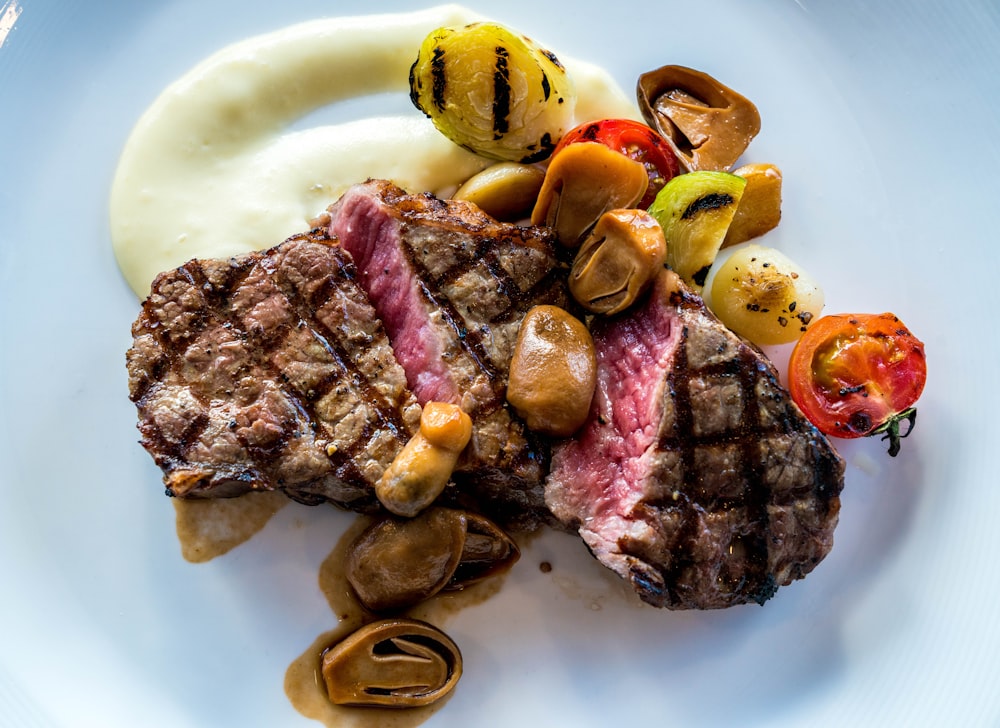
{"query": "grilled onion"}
pixel 493 91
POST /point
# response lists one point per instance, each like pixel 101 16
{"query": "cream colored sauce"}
pixel 212 527
pixel 304 684
pixel 212 168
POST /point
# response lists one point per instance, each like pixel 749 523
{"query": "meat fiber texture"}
pixel 303 368
pixel 451 286
pixel 269 371
pixel 695 478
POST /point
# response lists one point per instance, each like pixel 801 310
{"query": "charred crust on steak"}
pixel 273 370
pixel 268 371
pixel 696 478
pixel 451 285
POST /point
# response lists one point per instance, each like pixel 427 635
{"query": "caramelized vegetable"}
pixel 506 191
pixel 553 371
pixel 763 295
pixel 493 91
pixel 584 181
pixel 393 663
pixel 422 469
pixel 708 124
pixel 395 564
pixel 617 261
pixel 759 210
pixel 695 211
pixel 859 375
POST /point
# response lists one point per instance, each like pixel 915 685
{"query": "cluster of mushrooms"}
pixel 393 565
pixel 622 222
pixel 405 558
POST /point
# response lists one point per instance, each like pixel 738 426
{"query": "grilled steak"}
pixel 451 286
pixel 696 478
pixel 269 371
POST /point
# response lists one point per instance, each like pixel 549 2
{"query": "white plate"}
pixel 883 117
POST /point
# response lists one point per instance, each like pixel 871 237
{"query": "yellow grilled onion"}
pixel 492 91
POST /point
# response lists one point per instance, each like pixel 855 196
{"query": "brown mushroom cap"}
pixel 487 551
pixel 396 563
pixel 707 123
pixel 620 257
pixel 392 663
pixel 584 181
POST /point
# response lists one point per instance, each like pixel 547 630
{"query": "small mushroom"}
pixel 395 563
pixel 553 371
pixel 583 181
pixel 422 469
pixel 392 663
pixel 488 551
pixel 616 262
pixel 506 191
pixel 708 124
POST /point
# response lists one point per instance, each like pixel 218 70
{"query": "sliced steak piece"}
pixel 696 477
pixel 269 371
pixel 451 285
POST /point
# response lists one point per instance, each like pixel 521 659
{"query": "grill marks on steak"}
pixel 269 371
pixel 451 285
pixel 696 478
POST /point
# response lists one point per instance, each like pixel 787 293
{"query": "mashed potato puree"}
pixel 213 168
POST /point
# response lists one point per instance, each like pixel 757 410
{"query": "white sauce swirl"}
pixel 212 169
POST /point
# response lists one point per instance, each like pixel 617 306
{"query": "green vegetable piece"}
pixel 492 91
pixel 695 211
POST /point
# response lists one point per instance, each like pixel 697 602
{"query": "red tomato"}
pixel 856 375
pixel 636 141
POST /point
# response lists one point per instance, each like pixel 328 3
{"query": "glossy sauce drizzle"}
pixel 212 527
pixel 304 684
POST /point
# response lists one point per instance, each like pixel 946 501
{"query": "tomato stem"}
pixel 890 429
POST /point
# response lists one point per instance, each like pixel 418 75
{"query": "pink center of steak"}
pixel 373 239
pixel 599 474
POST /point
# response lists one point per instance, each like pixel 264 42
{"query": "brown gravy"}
pixel 210 527
pixel 303 680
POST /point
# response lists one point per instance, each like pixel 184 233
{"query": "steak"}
pixel 269 371
pixel 695 478
pixel 451 285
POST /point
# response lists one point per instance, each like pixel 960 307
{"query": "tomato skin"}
pixel 636 141
pixel 855 375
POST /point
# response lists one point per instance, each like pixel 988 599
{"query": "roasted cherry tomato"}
pixel 636 141
pixel 855 375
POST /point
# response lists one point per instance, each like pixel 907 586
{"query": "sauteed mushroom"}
pixel 584 181
pixel 395 564
pixel 553 371
pixel 617 260
pixel 708 124
pixel 393 663
pixel 422 469
pixel 507 190
pixel 488 551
